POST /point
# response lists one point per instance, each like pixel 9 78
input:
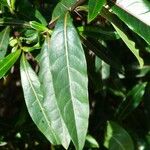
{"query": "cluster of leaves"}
pixel 84 68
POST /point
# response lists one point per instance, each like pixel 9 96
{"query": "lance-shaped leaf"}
pixel 130 44
pixel 95 7
pixel 34 101
pixel 69 78
pixel 7 62
pixel 117 138
pixel 4 41
pixel 49 99
pixel 135 14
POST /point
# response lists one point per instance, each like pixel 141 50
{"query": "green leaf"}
pixel 31 36
pixel 130 44
pixel 7 62
pixel 11 4
pixel 91 142
pixel 95 7
pixel 135 14
pixel 132 101
pixel 4 41
pixel 61 8
pixel 50 101
pixel 40 17
pixel 117 138
pixel 29 49
pixel 33 94
pixel 38 26
pixel 69 78
pixel 4 2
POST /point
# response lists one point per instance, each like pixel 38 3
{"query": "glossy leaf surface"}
pixel 4 41
pixel 130 44
pixel 95 7
pixel 7 62
pixel 69 78
pixel 135 14
pixel 49 99
pixel 117 138
pixel 34 100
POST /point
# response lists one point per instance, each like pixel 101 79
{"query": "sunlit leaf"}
pixel 7 62
pixel 49 99
pixel 91 142
pixel 69 78
pixel 38 26
pixel 130 44
pixel 33 94
pixel 136 14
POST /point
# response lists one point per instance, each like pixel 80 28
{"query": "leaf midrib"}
pixel 117 141
pixel 48 44
pixel 29 79
pixel 68 64
pixel 95 8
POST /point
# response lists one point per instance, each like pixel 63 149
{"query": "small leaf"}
pixel 130 44
pixel 34 100
pixel 132 100
pixel 29 49
pixel 91 142
pixel 38 26
pixel 4 41
pixel 31 36
pixel 69 78
pixel 95 7
pixel 117 138
pixel 7 62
